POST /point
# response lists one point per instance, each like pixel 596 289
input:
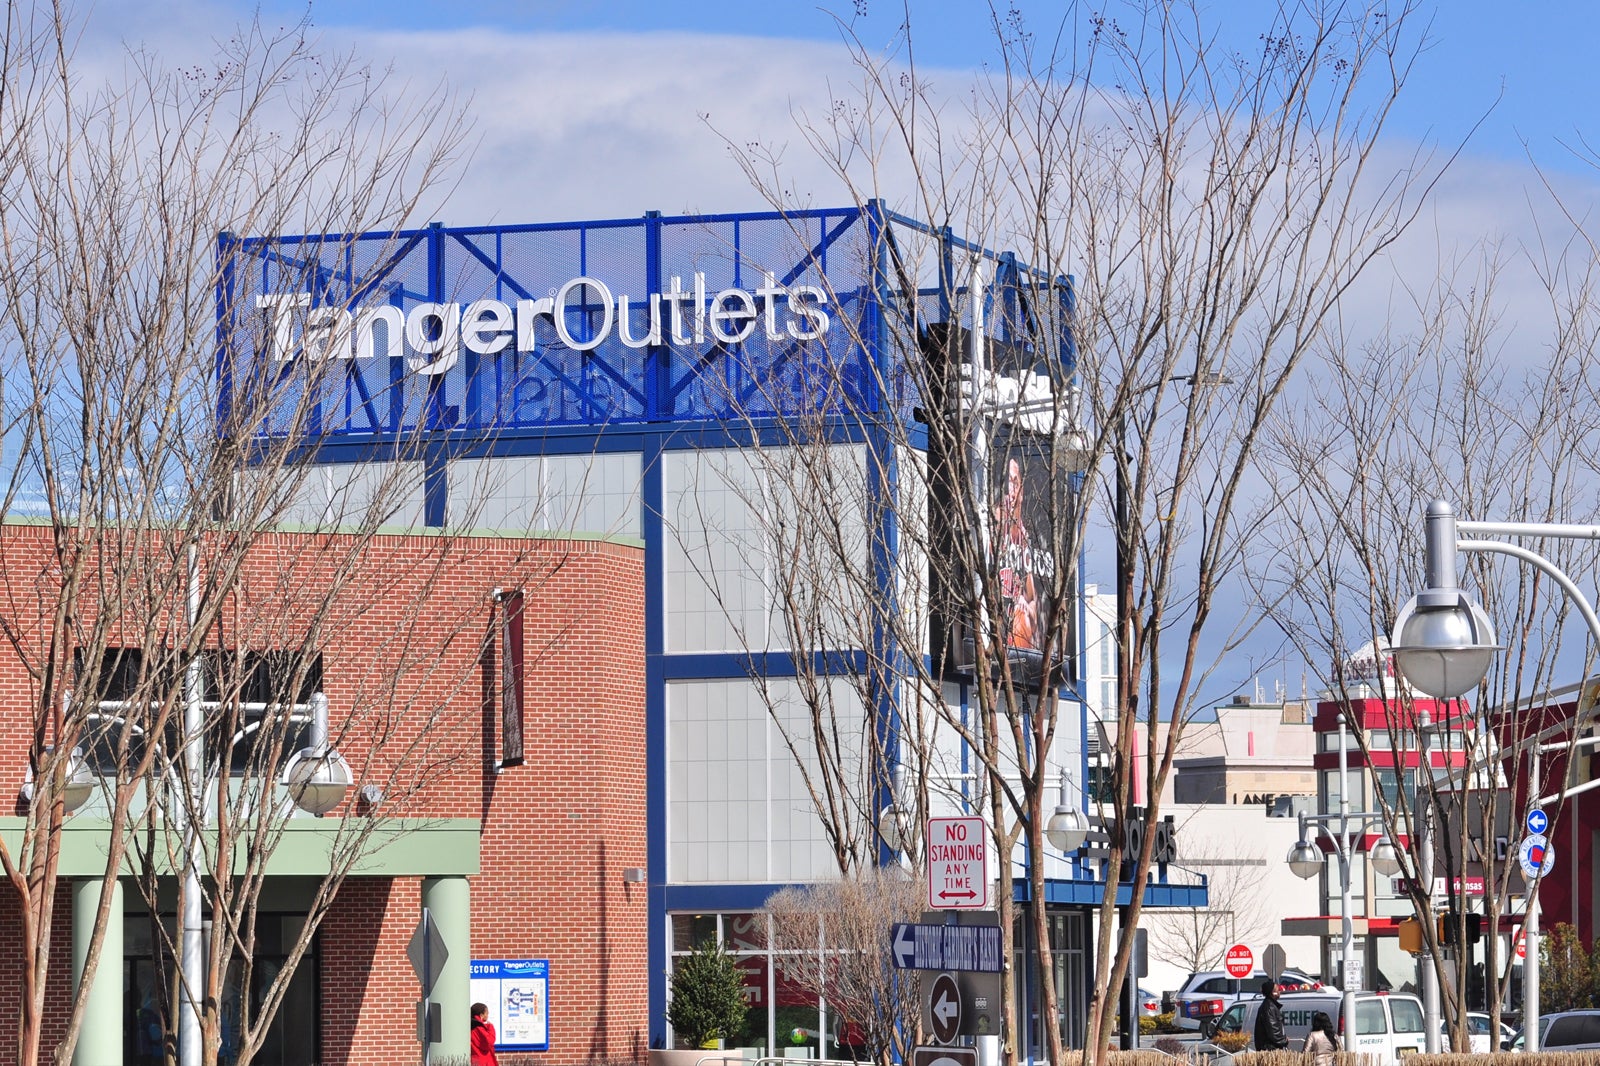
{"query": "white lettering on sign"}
pixel 958 863
pixel 435 333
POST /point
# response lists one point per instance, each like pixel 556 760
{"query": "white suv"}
pixel 1206 995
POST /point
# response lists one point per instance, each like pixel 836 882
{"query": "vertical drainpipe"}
pixel 192 781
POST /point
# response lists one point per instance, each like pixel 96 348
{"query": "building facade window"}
pixel 241 692
pixel 782 1014
pixel 150 985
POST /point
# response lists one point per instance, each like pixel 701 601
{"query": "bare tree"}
pixel 1356 462
pixel 1211 209
pixel 147 469
pixel 876 1006
pixel 1236 910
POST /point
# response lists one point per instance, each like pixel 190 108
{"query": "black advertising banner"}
pixel 1026 490
pixel 1021 538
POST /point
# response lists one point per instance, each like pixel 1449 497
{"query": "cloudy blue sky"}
pixel 569 96
pixel 1536 60
pixel 585 109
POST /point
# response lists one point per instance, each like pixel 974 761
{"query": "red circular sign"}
pixel 1522 944
pixel 1240 962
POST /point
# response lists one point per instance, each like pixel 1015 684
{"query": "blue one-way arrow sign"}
pixel 972 948
pixel 1537 822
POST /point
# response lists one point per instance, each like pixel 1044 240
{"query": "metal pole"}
pixel 1347 925
pixel 1125 692
pixel 1530 937
pixel 1424 814
pixel 1439 546
pixel 192 782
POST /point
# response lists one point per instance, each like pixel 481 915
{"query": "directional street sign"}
pixel 1537 822
pixel 958 864
pixel 946 947
pixel 944 1056
pixel 944 1003
pixel 1537 856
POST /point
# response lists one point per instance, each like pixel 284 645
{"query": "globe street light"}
pixel 1443 642
pixel 1067 828
pixel 1306 860
pixel 316 776
pixel 77 783
pixel 1443 646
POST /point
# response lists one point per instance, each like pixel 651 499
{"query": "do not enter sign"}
pixel 1240 961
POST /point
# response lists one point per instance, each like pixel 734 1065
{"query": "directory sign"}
pixel 517 993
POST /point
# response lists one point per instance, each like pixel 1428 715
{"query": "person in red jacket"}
pixel 483 1037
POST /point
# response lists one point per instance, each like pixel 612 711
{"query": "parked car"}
pixel 1149 1004
pixel 1572 1030
pixel 1207 994
pixel 1388 1027
pixel 1481 1037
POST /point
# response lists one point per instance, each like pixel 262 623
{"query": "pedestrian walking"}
pixel 1321 1042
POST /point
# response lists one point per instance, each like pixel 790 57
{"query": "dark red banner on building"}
pixel 511 678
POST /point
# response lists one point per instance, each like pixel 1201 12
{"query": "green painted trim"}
pixel 433 532
pixel 393 847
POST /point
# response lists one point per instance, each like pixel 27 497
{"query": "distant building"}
pixel 1254 753
pixel 1382 760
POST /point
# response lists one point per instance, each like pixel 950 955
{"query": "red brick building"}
pixel 407 631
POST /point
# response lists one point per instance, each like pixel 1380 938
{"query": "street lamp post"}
pixel 1443 645
pixel 1307 860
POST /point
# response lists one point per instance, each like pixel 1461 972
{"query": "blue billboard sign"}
pixel 472 332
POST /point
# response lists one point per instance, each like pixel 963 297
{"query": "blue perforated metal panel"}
pixel 470 332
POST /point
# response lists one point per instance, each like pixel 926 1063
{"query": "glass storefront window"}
pixel 785 1015
pixel 150 987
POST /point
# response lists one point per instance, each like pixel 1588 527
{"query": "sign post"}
pixel 1274 960
pixel 958 864
pixel 427 954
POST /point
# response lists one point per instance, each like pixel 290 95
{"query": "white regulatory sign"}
pixel 958 864
pixel 1537 856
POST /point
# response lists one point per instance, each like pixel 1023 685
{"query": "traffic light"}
pixel 1450 928
pixel 1410 932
